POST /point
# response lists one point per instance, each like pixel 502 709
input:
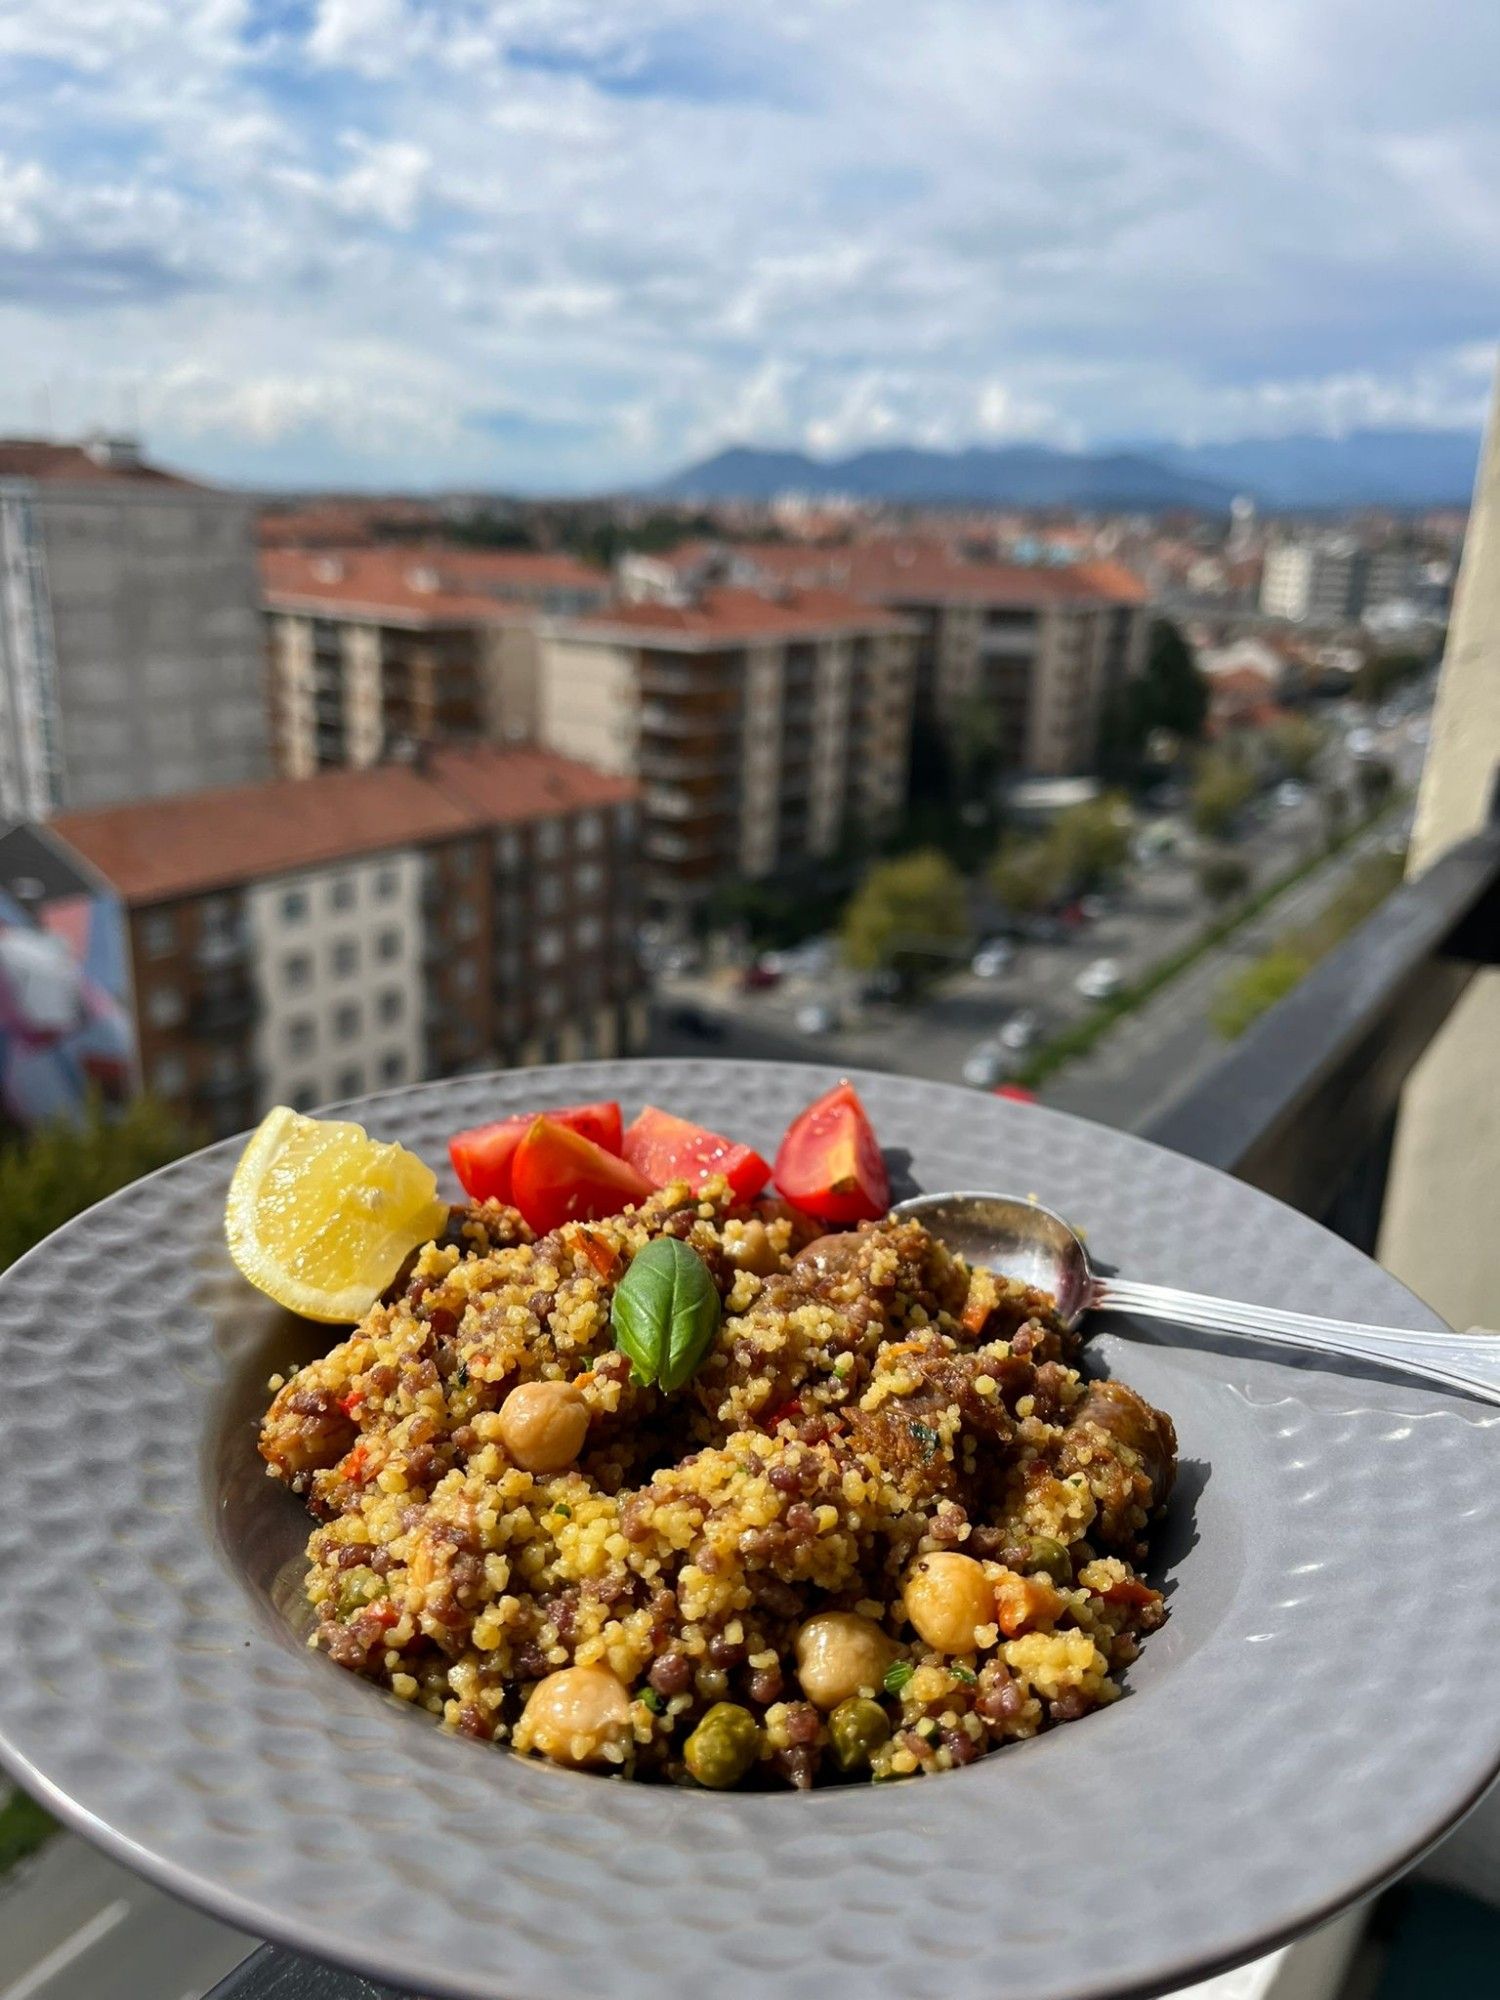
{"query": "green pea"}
pixel 856 1729
pixel 723 1746
pixel 1051 1557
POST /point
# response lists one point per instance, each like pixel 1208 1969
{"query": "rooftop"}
pixel 96 462
pixel 418 584
pixel 725 613
pixel 158 849
pixel 910 568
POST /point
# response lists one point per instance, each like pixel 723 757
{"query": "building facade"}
pixel 130 649
pixel 307 940
pixel 766 729
pixel 1315 581
pixel 372 650
pixel 1027 653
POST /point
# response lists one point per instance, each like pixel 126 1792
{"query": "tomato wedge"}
pixel 665 1148
pixel 830 1163
pixel 559 1175
pixel 484 1155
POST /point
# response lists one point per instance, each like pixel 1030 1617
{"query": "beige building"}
pixel 372 649
pixel 1039 648
pixel 767 728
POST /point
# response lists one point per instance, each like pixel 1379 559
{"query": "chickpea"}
pixel 575 1715
pixel 840 1654
pixel 543 1425
pixel 947 1597
pixel 749 1248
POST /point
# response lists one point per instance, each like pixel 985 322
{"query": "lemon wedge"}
pixel 321 1216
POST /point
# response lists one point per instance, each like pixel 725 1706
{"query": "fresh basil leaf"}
pixel 665 1313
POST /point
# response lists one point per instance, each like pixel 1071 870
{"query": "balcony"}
pixel 226 1013
pixel 657 719
pixel 219 949
pixel 682 766
pixel 660 844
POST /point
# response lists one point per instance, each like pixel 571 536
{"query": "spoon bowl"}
pixel 1015 1236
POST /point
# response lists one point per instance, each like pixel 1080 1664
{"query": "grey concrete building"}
pixel 131 653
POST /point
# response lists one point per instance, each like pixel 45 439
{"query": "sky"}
pixel 559 245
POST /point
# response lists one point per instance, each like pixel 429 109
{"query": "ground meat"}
pixel 306 1429
pixel 1128 1453
pixel 671 1674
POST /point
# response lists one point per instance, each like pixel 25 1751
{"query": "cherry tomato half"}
pixel 830 1163
pixel 560 1176
pixel 484 1155
pixel 665 1148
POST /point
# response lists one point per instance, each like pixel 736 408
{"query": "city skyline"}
pixel 459 243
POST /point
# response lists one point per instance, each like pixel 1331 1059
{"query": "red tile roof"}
pixel 417 584
pixel 910 569
pixel 725 614
pixel 76 465
pixel 158 849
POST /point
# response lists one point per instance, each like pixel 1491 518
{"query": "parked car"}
pixel 1020 1031
pixel 993 957
pixel 698 1022
pixel 1360 742
pixel 880 986
pixel 1100 981
pixel 985 1066
pixel 1095 907
pixel 758 976
pixel 1289 794
pixel 817 1018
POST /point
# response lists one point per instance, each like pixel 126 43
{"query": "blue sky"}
pixel 562 244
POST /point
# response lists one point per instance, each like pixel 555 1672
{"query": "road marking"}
pixel 83 1939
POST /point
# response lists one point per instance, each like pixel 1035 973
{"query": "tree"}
pixel 1295 743
pixel 1383 673
pixel 906 915
pixel 1091 840
pixel 978 739
pixel 1223 877
pixel 1027 875
pixel 1222 787
pixel 1335 803
pixel 1374 780
pixel 54 1173
pixel 1170 695
pixel 1257 988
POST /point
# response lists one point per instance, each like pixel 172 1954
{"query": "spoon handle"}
pixel 1468 1361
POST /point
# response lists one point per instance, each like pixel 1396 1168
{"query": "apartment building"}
pixel 375 649
pixel 308 939
pixel 1319 580
pixel 130 646
pixel 766 727
pixel 1040 647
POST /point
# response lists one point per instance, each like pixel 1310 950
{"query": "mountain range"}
pixel 1392 468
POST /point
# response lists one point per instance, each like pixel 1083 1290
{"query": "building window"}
pixel 351 1082
pixel 303 1096
pixel 588 878
pixel 463 863
pixel 549 1004
pixel 549 947
pixel 588 829
pixel 159 934
pixel 388 945
pixel 296 972
pixel 625 822
pixel 341 895
pixel 549 895
pixel 387 882
pixel 300 1037
pixel 392 1068
pixel 294 906
pixel 550 839
pixel 346 1021
pixel 465 921
pixel 508 850
pixel 588 933
pixel 466 976
pixel 169 1077
pixel 345 958
pixel 164 1008
pixel 391 1003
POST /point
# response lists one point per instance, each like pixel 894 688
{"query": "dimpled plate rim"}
pixel 1266 1768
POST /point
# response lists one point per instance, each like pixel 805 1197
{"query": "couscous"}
pixel 881 1527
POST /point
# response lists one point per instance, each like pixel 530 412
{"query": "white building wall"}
pixel 29 776
pixel 760 758
pixel 364 729
pixel 587 702
pixel 337 970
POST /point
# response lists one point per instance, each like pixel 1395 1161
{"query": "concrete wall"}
pixel 1438 1233
pixel 157 640
pixel 586 702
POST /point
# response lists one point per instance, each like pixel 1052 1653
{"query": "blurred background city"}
pixel 533 532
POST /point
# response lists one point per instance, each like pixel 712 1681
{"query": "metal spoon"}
pixel 1021 1239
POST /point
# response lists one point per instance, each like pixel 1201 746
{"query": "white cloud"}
pixel 669 223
